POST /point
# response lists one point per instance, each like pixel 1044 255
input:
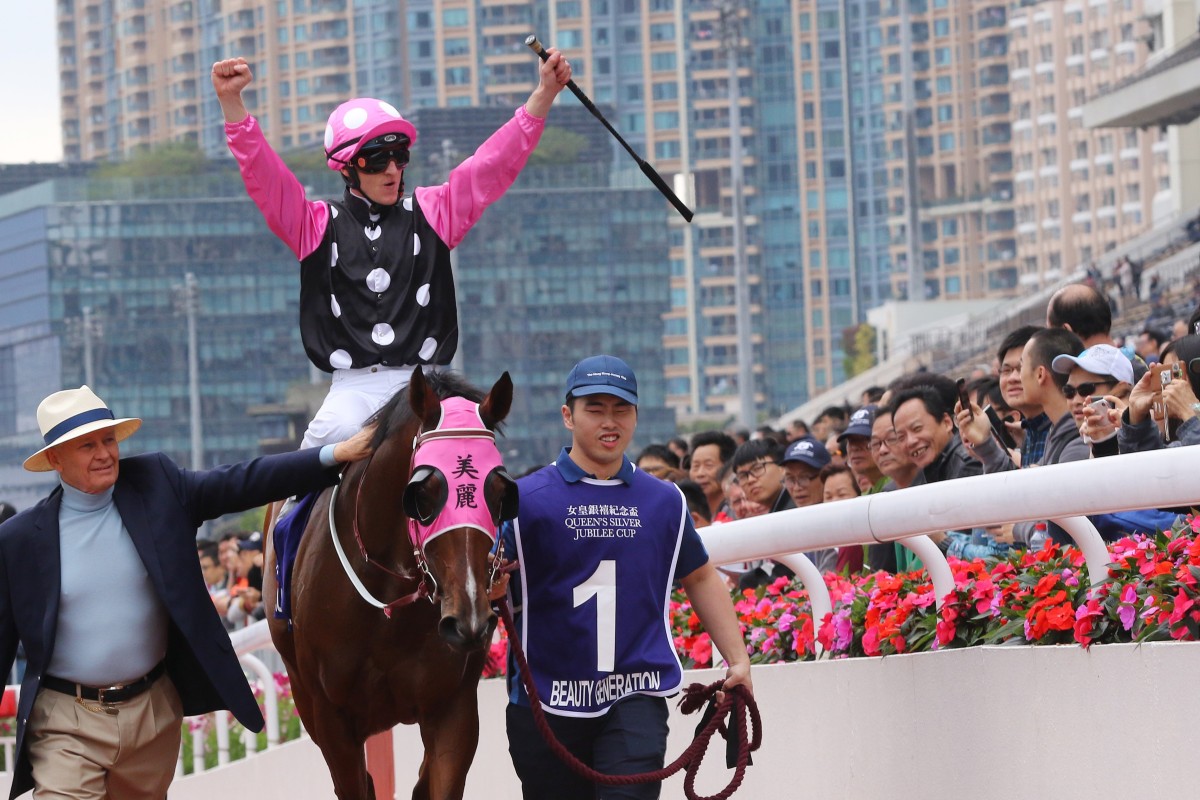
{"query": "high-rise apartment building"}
pixel 1077 192
pixel 655 63
pixel 947 104
pixel 876 138
pixel 843 185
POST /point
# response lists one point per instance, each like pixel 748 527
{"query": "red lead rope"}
pixel 737 702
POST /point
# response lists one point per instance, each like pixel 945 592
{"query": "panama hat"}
pixel 72 413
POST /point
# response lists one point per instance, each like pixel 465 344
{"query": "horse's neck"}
pixel 374 496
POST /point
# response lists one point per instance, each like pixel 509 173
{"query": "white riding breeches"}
pixel 354 396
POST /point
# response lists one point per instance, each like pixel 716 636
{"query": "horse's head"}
pixel 456 498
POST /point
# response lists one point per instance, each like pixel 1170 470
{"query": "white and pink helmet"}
pixel 355 123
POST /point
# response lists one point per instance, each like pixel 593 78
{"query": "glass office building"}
pixel 92 272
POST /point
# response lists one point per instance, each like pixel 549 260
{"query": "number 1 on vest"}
pixel 603 586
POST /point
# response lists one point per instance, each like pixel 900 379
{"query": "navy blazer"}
pixel 161 505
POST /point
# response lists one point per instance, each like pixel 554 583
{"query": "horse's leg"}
pixel 341 746
pixel 450 739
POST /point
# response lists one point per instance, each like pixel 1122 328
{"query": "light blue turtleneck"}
pixel 112 626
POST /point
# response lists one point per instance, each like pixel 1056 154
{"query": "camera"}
pixel 1163 375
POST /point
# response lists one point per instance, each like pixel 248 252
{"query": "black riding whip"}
pixel 655 178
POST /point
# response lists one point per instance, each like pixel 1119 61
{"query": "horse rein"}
pixel 387 608
pixel 426 579
pixel 745 724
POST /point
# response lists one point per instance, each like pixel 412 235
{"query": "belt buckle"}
pixel 104 707
pixel 100 692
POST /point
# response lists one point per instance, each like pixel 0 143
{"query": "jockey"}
pixel 376 289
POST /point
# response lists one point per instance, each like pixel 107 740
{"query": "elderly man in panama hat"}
pixel 100 583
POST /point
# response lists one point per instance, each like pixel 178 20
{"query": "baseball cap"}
pixel 860 423
pixel 806 451
pixel 251 542
pixel 603 375
pixel 1100 359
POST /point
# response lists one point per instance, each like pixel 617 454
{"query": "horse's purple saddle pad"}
pixel 287 533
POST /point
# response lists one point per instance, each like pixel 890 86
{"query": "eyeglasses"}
pixel 755 470
pixel 1009 369
pixel 891 441
pixel 1083 389
pixel 801 480
pixel 377 161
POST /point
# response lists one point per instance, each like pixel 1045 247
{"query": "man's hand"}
pixel 1141 397
pixel 973 425
pixel 356 448
pixel 553 75
pixel 737 675
pixel 229 78
pixel 1001 534
pixel 1099 426
pixel 1179 399
pixel 499 587
pixel 250 598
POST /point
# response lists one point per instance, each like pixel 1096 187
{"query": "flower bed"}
pixel 1041 597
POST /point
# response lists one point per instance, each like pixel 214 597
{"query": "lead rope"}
pixel 737 702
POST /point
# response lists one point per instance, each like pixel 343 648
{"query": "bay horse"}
pixel 357 668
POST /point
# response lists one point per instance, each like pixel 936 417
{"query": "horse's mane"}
pixel 397 413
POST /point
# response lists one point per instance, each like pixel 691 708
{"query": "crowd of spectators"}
pixel 232 567
pixel 1053 394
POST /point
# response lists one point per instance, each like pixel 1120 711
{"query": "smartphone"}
pixel 1102 407
pixel 999 428
pixel 963 398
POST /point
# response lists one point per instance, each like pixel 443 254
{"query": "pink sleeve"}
pixel 482 179
pixel 298 222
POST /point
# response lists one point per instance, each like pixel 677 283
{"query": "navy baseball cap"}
pixel 860 423
pixel 806 451
pixel 603 375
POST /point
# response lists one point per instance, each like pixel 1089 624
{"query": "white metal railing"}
pixel 1064 493
pixel 246 641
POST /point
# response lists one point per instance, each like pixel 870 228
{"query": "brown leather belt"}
pixel 106 694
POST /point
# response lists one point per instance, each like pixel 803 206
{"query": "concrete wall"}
pixel 991 722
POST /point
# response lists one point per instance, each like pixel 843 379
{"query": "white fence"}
pixel 1063 493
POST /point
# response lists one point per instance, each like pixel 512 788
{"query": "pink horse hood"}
pixel 464 467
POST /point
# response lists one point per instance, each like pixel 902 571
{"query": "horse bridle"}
pixel 426 579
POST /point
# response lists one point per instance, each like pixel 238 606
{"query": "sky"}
pixel 29 89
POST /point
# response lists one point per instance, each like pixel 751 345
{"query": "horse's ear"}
pixel 424 402
pixel 497 403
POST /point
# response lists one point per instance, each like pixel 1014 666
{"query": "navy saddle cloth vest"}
pixel 287 533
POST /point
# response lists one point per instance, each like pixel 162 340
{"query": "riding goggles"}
pixel 376 161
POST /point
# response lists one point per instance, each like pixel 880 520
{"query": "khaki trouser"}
pixel 79 754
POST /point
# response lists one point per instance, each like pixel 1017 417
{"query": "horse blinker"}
pixel 425 495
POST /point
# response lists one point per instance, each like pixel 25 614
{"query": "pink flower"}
pixel 1150 608
pixel 843 631
pixel 923 599
pixel 702 650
